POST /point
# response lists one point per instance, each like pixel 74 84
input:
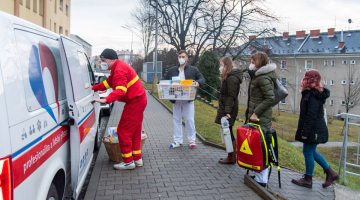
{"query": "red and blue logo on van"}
pixel 41 58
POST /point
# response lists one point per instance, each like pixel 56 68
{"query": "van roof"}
pixel 7 19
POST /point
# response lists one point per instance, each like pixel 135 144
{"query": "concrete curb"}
pixel 201 138
pixel 258 188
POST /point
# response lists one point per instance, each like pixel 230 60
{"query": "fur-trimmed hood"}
pixel 264 69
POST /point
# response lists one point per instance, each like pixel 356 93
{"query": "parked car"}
pixel 49 124
pixel 105 108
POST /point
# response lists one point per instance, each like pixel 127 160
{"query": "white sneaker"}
pixel 175 144
pixel 122 165
pixel 139 163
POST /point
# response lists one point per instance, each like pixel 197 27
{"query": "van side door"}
pixel 82 116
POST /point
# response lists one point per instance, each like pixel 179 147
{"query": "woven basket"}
pixel 113 149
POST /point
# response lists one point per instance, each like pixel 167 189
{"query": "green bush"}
pixel 209 67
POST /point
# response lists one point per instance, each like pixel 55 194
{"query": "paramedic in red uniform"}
pixel 127 88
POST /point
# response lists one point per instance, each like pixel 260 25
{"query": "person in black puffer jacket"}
pixel 312 129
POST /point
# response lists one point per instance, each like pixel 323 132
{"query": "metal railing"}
pixel 344 147
pixel 282 130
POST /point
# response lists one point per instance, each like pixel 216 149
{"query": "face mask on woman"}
pixel 221 68
pixel 252 66
pixel 104 65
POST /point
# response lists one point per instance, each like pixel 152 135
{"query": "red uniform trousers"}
pixel 129 129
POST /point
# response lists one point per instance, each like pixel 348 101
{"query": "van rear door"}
pixel 82 116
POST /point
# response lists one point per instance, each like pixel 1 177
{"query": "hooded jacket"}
pixel 261 94
pixel 228 101
pixel 311 120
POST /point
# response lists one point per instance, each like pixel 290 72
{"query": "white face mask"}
pixel 182 61
pixel 104 66
pixel 252 66
pixel 221 68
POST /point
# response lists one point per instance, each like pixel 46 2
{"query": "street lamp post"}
pixel 156 40
pixel 132 39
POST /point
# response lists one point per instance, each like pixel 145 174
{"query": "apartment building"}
pixel 53 15
pixel 333 53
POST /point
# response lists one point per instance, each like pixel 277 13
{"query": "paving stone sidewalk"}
pixel 182 173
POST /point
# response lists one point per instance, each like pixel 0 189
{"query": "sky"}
pixel 100 23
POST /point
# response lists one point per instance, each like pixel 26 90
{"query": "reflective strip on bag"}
pixel 121 87
pixel 128 155
pixel 137 152
pixel 106 84
pixel 249 166
pixel 132 81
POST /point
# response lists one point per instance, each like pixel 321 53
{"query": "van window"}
pixel 80 77
pixel 41 69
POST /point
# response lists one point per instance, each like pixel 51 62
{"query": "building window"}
pixel 326 62
pixel 283 81
pixel 244 94
pixel 343 103
pixel 55 27
pixel 332 82
pixel 60 30
pixel 331 102
pixel 283 101
pixel 352 82
pixel 240 93
pixel 343 82
pixel 21 2
pixel 283 64
pixel 35 5
pixel 67 10
pixel 353 62
pixel 308 64
pixel 61 5
pixel 244 78
pixel 325 81
pixel 28 4
pixel 351 103
pixel 66 33
pixel 240 62
pixel 244 62
pixel 41 7
pixel 333 63
pixel 55 3
pixel 344 62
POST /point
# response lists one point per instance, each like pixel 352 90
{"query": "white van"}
pixel 48 124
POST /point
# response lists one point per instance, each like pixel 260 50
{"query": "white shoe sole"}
pixel 125 168
pixel 139 165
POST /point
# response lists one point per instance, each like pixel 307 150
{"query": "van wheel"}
pixel 97 139
pixel 107 112
pixel 52 194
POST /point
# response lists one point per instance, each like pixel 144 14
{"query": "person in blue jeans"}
pixel 312 128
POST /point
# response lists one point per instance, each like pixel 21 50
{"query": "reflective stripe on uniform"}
pixel 127 155
pixel 132 81
pixel 137 152
pixel 106 84
pixel 121 87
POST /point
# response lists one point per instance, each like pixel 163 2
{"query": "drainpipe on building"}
pixel 16 8
pixel 295 83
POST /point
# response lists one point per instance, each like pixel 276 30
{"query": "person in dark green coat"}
pixel 261 98
pixel 231 79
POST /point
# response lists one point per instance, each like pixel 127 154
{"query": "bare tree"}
pixel 143 21
pixel 351 88
pixel 198 25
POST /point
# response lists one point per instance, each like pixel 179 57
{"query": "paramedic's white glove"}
pixel 228 116
pixel 100 100
pixel 253 117
pixel 196 84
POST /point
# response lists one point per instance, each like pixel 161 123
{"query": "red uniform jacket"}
pixel 124 81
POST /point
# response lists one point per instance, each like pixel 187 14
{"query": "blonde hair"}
pixel 228 66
